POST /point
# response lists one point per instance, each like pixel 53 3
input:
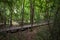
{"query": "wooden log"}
pixel 24 27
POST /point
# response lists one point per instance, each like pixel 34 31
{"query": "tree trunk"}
pixel 32 12
pixel 56 26
pixel 22 12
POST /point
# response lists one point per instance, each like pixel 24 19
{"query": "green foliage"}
pixel 43 9
pixel 15 6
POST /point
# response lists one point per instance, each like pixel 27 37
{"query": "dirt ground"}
pixel 24 35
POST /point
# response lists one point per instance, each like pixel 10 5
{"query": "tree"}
pixel 56 25
pixel 32 12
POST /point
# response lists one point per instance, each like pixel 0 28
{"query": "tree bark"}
pixel 32 12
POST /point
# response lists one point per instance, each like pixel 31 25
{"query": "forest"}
pixel 29 19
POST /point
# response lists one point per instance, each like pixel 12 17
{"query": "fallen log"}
pixel 24 27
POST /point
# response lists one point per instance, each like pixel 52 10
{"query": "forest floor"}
pixel 27 34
